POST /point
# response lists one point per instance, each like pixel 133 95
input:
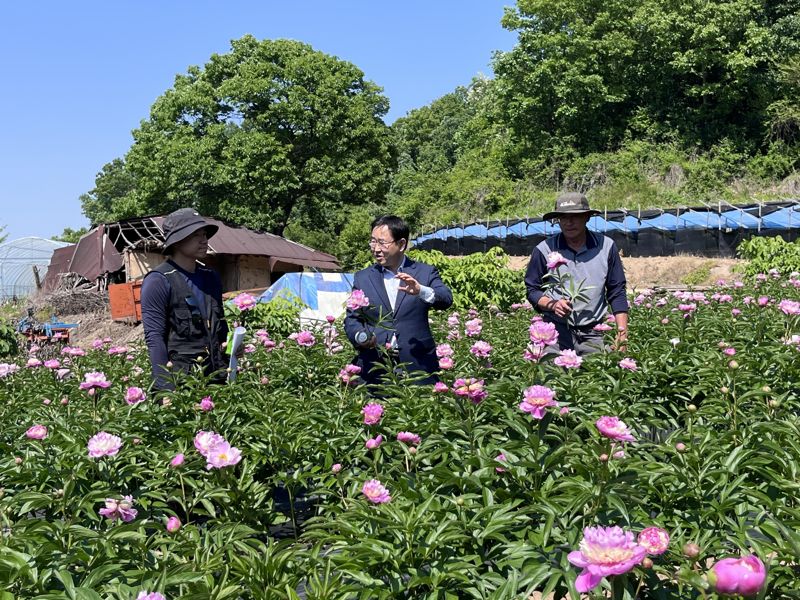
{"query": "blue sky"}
pixel 79 76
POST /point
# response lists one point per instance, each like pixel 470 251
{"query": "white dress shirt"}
pixel 392 286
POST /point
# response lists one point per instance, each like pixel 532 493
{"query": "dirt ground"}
pixel 642 273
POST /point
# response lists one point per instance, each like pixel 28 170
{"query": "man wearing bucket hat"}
pixel 590 262
pixel 182 309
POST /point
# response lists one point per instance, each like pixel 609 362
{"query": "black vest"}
pixel 189 335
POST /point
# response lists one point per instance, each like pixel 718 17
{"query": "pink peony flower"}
pixel 52 364
pixel 629 363
pixel 481 349
pixel 336 468
pixel 615 429
pixel 223 455
pixel 372 413
pixel 173 524
pixel 206 441
pixel 743 576
pixel 789 307
pixel 412 439
pixel 375 492
pixel 94 379
pixel 134 395
pixel 446 363
pixel 357 300
pixel 37 432
pixel 473 327
pixel 655 540
pixel 534 352
pixel 349 373
pixel 245 301
pixel 117 350
pixel 502 458
pixel 536 399
pixel 735 312
pixel 564 411
pixel 119 509
pixel 103 444
pixel 555 260
pixel 604 551
pixel 7 369
pixel 177 460
pixel 568 359
pixel 305 338
pixel 763 300
pixel 543 333
pixel 150 596
pixel 374 443
pixel 471 388
pixel 453 320
pixel 33 362
pixel 206 404
pixel 730 351
pixel 440 387
pixel 444 351
pixel 97 344
pixel 602 327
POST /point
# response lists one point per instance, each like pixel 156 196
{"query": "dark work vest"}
pixel 189 336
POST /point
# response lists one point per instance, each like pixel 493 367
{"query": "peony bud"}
pixel 692 408
pixel 17 460
pixel 743 576
pixel 647 563
pixel 691 550
pixel 680 447
pixel 733 364
pixel 724 389
pixel 603 457
pixel 173 524
pixel 774 403
pixel 336 468
pixel 766 389
pixel 177 461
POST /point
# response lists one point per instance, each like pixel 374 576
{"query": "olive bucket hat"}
pixel 182 223
pixel 571 203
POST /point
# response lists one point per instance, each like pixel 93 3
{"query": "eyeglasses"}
pixel 382 244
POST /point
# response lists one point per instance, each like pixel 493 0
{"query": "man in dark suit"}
pixel 401 292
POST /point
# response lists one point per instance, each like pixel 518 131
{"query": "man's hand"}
pixel 621 341
pixel 562 308
pixel 408 284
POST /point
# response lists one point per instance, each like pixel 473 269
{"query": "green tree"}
pixel 70 235
pixel 585 74
pixel 110 200
pixel 3 236
pixel 269 134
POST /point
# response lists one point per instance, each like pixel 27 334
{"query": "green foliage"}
pixel 70 235
pixel 280 316
pixel 112 196
pixel 480 279
pixel 699 275
pixel 765 253
pixel 9 340
pixel 272 132
pixel 714 463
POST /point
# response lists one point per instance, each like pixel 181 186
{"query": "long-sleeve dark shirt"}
pixel 156 292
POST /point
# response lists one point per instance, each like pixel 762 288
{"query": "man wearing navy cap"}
pixel 182 309
pixel 591 260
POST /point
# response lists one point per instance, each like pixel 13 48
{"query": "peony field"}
pixel 667 469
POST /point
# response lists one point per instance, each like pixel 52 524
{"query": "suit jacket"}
pixel 408 321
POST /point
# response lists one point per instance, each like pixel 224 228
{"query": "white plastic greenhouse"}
pixel 17 259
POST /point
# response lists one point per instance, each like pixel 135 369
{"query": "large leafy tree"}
pixel 587 73
pixel 111 197
pixel 269 134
